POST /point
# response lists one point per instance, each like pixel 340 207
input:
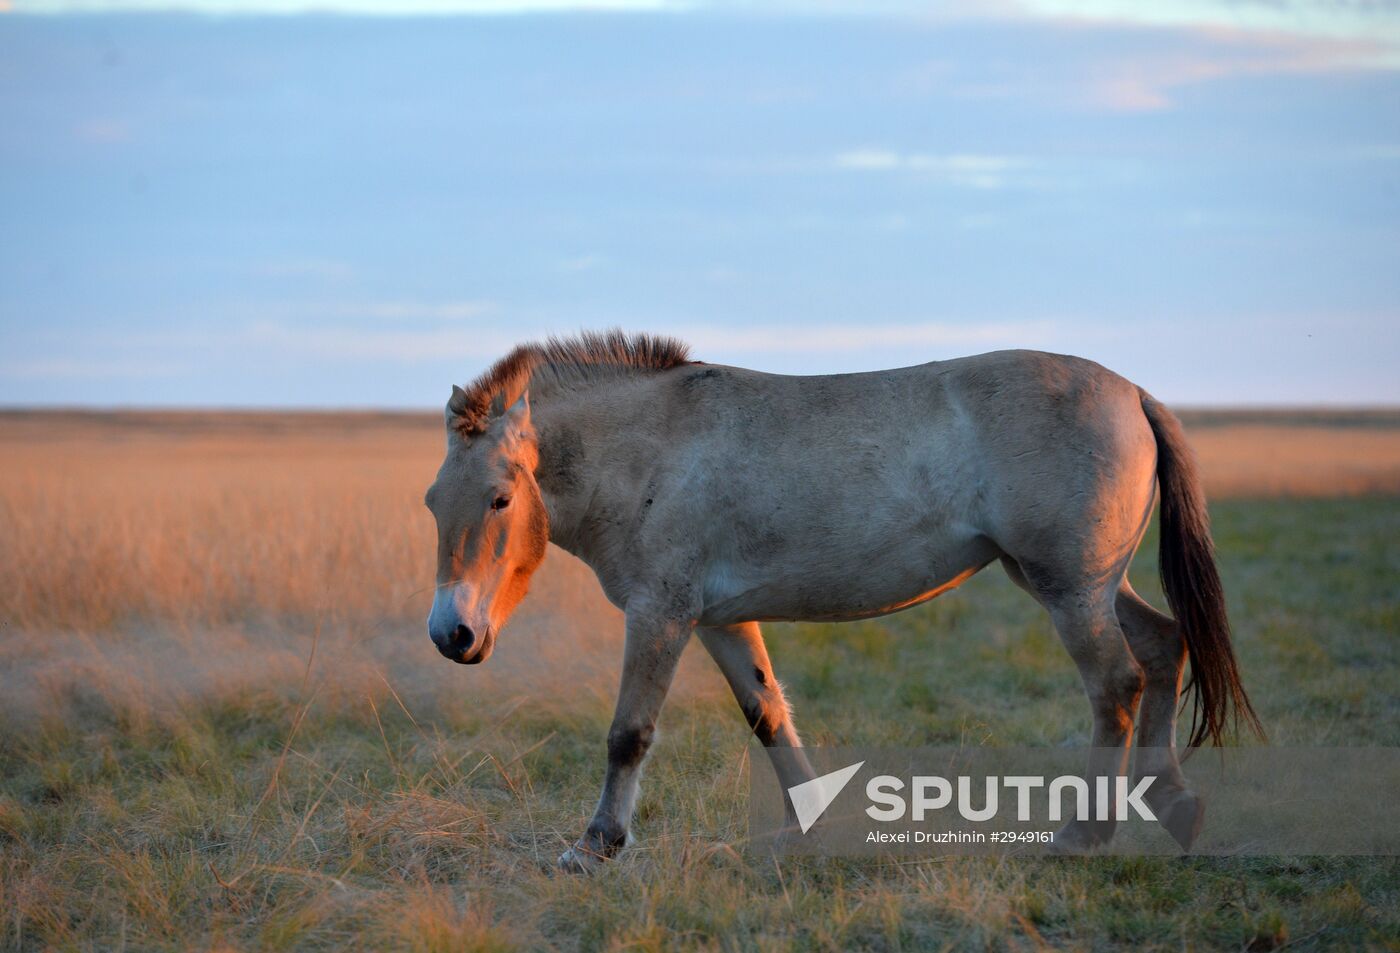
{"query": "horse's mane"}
pixel 565 361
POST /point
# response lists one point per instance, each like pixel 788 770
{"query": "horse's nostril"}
pixel 462 639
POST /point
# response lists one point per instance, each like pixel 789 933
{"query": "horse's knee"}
pixel 628 744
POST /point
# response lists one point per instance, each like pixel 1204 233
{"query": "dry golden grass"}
pixel 151 558
pixel 111 518
pixel 1297 453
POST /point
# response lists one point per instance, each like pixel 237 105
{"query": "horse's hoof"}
pixel 579 860
pixel 1081 837
pixel 1184 819
pixel 790 839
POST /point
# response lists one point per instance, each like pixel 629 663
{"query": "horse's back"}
pixel 1001 398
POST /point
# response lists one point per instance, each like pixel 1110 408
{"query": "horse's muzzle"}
pixel 461 645
pixel 458 644
pixel 449 630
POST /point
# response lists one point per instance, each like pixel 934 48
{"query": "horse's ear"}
pixel 457 403
pixel 517 416
pixel 461 417
pixel 457 406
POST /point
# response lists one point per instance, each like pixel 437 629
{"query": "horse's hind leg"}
pixel 1113 680
pixel 739 652
pixel 1157 645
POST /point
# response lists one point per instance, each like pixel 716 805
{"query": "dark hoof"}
pixel 580 860
pixel 1184 819
pixel 600 843
pixel 1081 837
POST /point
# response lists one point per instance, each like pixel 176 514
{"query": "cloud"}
pixel 481 344
pixel 418 345
pixel 1367 32
pixel 89 369
pixel 444 330
pixel 971 171
pixel 354 7
pixel 1146 82
pixel 1374 24
pixel 399 345
pixel 1367 22
pixel 261 343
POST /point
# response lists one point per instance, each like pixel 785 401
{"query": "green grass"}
pixel 307 818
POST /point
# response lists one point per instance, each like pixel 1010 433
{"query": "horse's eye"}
pixel 500 503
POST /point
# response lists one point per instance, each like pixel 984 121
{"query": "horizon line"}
pixel 12 409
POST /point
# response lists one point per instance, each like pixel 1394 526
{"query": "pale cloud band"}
pixel 1341 19
pixel 1370 20
pixel 483 344
pixel 344 7
pixel 973 171
pixel 1339 34
pixel 136 356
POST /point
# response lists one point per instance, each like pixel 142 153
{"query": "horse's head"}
pixel 492 525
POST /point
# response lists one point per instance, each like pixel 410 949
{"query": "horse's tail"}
pixel 1192 585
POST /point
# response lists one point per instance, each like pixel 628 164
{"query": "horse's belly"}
pixel 733 595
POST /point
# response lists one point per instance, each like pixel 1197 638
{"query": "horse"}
pixel 708 499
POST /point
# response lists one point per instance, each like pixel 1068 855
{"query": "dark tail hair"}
pixel 1192 585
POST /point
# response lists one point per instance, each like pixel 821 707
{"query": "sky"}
pixel 360 203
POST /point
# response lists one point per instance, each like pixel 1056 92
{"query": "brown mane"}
pixel 564 361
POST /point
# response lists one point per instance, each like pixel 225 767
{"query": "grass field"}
pixel 222 724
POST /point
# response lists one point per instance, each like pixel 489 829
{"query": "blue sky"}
pixel 250 205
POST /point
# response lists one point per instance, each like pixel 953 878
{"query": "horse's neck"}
pixel 583 470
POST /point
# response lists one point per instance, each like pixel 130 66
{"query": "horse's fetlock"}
pixel 605 836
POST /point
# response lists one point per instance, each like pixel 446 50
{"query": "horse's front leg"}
pixel 739 652
pixel 654 645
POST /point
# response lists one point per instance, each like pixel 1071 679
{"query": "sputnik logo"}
pixel 810 799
